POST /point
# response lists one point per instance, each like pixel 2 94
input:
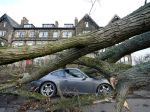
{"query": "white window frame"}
pixel 56 34
pixel 43 34
pixel 48 25
pixel 67 34
pixel 2 33
pixel 20 34
pixel 85 32
pixel 27 26
pixel 32 34
pixel 68 25
pixel 86 24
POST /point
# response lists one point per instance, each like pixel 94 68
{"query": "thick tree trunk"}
pixel 122 92
pixel 136 23
pixel 137 76
pixel 136 43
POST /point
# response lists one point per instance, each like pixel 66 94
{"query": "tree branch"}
pixel 136 43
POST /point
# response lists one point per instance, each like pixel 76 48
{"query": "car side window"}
pixel 74 73
pixel 59 73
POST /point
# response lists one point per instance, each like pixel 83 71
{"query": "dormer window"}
pixel 68 25
pixel 28 26
pixel 48 25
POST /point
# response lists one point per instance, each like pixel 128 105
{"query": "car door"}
pixel 77 81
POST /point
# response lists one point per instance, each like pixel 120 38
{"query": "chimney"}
pixel 56 24
pixel 24 21
pixel 76 21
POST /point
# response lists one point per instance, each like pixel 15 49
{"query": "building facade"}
pixel 27 34
pixel 14 34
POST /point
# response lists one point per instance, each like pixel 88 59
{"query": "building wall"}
pixel 5 32
pixel 85 26
pixel 36 36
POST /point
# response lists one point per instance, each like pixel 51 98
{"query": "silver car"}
pixel 70 80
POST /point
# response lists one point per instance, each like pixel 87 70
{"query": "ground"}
pixel 138 102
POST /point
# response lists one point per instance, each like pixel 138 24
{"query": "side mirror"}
pixel 84 78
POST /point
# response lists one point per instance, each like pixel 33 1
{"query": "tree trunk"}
pixel 136 43
pixel 136 23
pixel 122 92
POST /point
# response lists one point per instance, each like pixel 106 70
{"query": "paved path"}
pixel 138 102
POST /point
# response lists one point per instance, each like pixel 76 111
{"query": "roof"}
pixel 114 19
pixel 9 20
pixel 87 17
pixel 44 28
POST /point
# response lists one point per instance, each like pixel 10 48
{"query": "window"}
pixel 74 73
pixel 1 44
pixel 58 73
pixel 86 24
pixel 19 43
pixel 68 25
pixel 28 26
pixel 4 24
pixel 43 34
pixel 30 43
pixel 48 25
pixel 20 34
pixel 32 34
pixel 126 59
pixel 56 34
pixel 67 34
pixel 2 33
pixel 84 32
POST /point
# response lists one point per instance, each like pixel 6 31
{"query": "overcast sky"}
pixel 47 11
pixel 64 11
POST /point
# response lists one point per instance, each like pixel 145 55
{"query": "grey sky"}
pixel 47 11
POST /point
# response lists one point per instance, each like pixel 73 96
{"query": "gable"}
pixel 87 20
pixel 114 19
pixel 5 19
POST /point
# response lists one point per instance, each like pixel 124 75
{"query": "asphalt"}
pixel 138 102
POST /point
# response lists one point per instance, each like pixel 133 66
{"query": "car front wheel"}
pixel 48 89
pixel 104 88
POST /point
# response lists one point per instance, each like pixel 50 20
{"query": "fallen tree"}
pixel 136 23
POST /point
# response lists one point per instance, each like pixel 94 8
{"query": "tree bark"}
pixel 136 23
pixel 136 43
pixel 107 69
pixel 122 92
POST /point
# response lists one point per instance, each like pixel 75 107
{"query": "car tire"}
pixel 104 88
pixel 48 89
